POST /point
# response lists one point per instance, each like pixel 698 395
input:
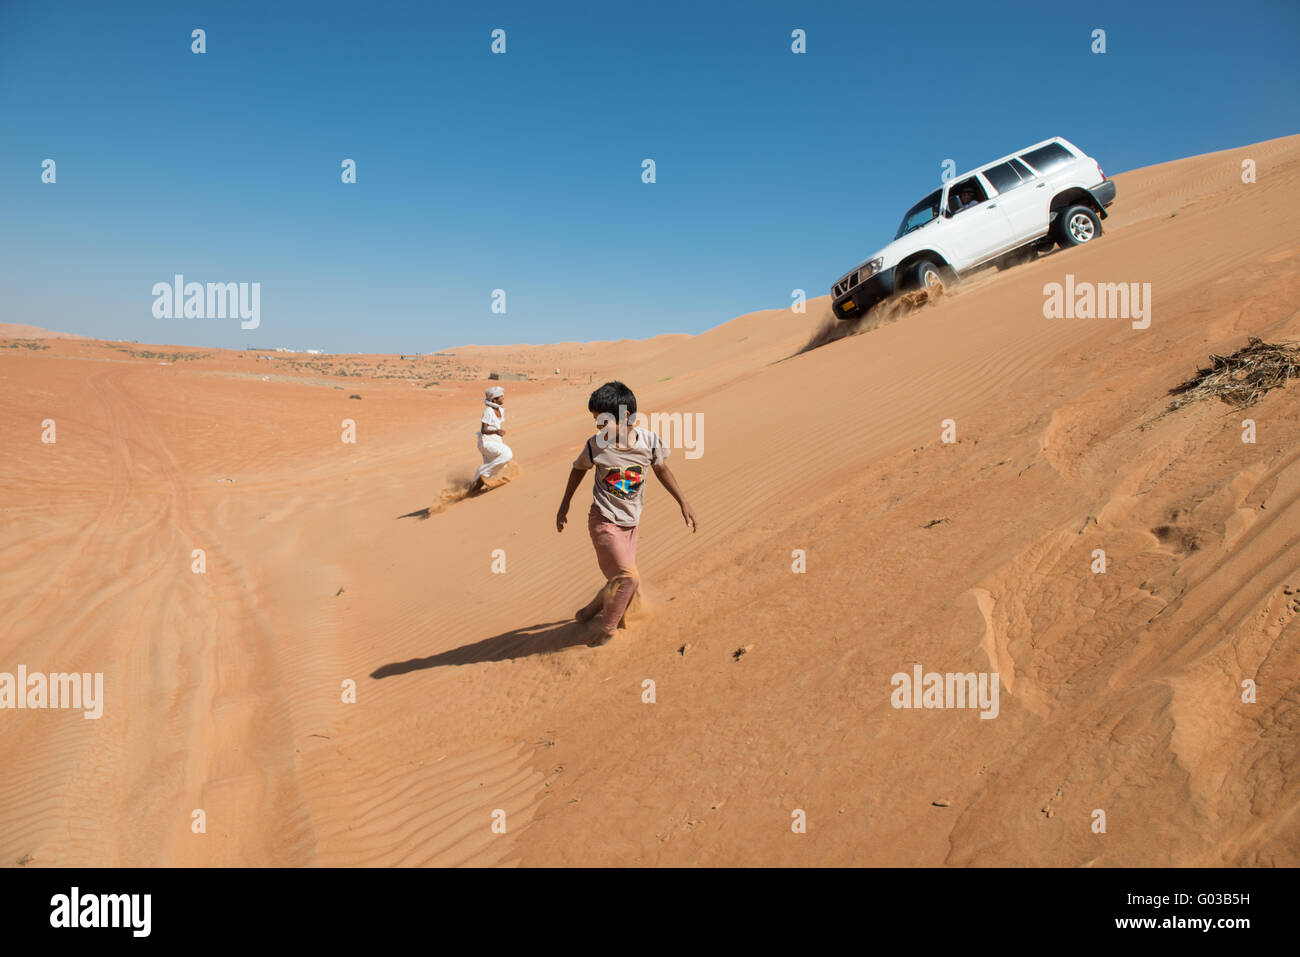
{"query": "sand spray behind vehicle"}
pixel 892 309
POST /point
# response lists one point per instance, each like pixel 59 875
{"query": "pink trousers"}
pixel 616 553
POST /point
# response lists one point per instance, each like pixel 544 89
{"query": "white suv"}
pixel 1002 213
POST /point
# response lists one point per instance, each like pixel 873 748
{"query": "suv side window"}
pixel 1003 177
pixel 1049 157
pixel 1025 172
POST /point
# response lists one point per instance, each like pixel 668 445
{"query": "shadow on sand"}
pixel 520 643
pixel 420 513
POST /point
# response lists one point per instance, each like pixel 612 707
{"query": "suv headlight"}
pixel 869 269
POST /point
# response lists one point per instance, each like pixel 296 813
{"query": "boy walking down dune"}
pixel 621 454
pixel 494 450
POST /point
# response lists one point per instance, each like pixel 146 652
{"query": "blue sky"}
pixel 522 172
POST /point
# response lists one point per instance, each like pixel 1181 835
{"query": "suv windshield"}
pixel 920 214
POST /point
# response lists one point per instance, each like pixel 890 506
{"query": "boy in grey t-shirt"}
pixel 620 473
pixel 621 454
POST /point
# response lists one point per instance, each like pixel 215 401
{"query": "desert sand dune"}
pixel 13 330
pixel 475 690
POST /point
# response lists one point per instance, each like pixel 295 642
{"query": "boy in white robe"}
pixel 492 426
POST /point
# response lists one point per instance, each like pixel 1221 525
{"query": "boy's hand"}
pixel 688 513
pixel 561 517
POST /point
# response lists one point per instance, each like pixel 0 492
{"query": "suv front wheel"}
pixel 924 275
pixel 1077 226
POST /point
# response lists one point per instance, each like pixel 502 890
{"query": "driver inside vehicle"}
pixel 966 197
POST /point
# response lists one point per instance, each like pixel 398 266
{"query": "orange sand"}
pixel 1120 692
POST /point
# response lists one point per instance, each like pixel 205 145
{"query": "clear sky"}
pixel 522 171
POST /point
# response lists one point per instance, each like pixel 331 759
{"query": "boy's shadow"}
pixel 534 640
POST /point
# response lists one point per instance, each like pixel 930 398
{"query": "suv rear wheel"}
pixel 1077 226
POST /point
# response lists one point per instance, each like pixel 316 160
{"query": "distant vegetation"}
pixel 423 369
pixel 167 356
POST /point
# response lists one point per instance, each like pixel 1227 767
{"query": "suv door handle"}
pixel 1040 186
pixel 993 205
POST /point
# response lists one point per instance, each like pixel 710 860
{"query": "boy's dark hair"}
pixel 610 397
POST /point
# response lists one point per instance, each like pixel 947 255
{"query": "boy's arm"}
pixel 575 479
pixel 670 482
pixel 488 430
